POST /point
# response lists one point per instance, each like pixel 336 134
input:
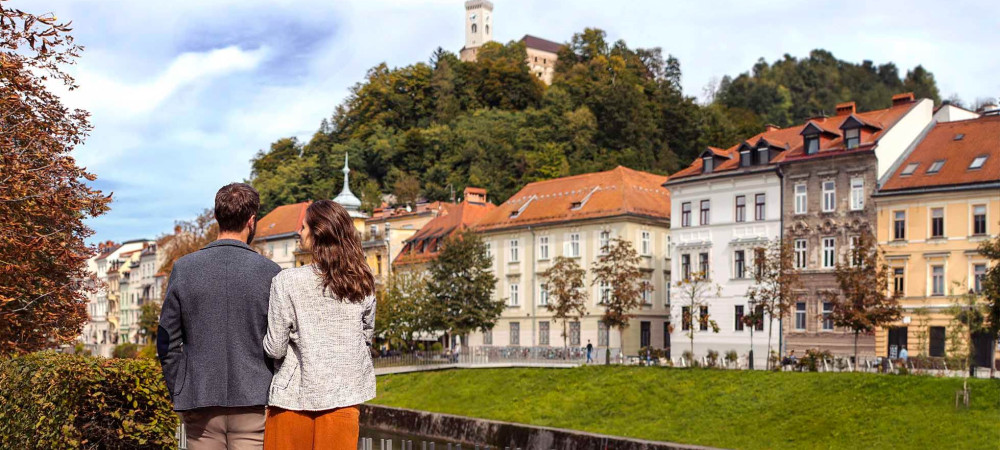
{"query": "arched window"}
pixel 487 29
pixel 473 28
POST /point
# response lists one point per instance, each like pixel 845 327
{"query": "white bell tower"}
pixel 478 27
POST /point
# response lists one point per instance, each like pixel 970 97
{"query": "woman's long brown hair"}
pixel 336 250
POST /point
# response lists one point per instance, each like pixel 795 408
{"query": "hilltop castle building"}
pixel 542 53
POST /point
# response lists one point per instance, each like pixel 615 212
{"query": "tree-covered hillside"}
pixel 433 128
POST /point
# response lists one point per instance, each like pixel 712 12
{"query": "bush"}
pixel 713 358
pixel 437 347
pixel 732 356
pixel 126 350
pixel 813 360
pixel 59 401
pixel 148 352
pixel 80 349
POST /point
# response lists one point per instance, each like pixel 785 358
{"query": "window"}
pixel 812 144
pixel 706 206
pixel 543 247
pixel 647 294
pixel 741 208
pixel 574 333
pixel 474 28
pixel 909 169
pixel 937 280
pixel 978 162
pixel 829 196
pixel 898 282
pixel 759 259
pixel 489 251
pixel 515 333
pixel 703 319
pixel 853 258
pixel 685 267
pixel 979 219
pixel 686 214
pixel 800 198
pixel 800 316
pixel 685 318
pixel 515 295
pixel 759 201
pixel 829 253
pixel 800 253
pixel 763 156
pixel 514 255
pixel 706 164
pixel 852 137
pixel 937 341
pixel 978 276
pixel 604 292
pixel 739 318
pixel 827 316
pixel 604 242
pixel 935 167
pixel 646 243
pixel 543 333
pixel 644 333
pixel 543 294
pixel 857 194
pixel 574 245
pixel 602 334
pixel 739 266
pixel 899 225
pixel 745 158
pixel 703 265
pixel 937 222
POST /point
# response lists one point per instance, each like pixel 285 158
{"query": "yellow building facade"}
pixel 934 210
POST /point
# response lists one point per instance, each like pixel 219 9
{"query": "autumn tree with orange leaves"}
pixel 44 197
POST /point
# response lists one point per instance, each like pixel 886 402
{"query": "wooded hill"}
pixel 430 129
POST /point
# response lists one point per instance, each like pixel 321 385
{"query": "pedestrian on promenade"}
pixel 213 319
pixel 590 352
pixel 320 326
pixel 903 355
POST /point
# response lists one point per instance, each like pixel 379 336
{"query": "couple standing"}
pixel 238 333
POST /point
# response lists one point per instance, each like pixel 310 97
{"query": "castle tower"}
pixel 478 27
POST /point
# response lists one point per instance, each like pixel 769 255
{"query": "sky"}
pixel 184 93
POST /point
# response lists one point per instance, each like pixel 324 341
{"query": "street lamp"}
pixel 753 324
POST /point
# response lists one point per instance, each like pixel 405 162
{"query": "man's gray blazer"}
pixel 212 326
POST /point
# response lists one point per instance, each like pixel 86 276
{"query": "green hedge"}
pixel 60 401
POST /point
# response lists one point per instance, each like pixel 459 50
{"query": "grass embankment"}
pixel 733 409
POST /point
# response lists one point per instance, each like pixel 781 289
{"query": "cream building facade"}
pixel 934 209
pixel 576 217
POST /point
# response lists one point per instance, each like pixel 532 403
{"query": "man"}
pixel 212 328
pixel 590 351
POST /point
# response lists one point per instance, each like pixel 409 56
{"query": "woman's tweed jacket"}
pixel 320 344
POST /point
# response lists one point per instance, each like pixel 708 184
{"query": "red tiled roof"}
pixel 538 43
pixel 108 251
pixel 615 192
pixel 283 220
pixel 452 219
pixel 980 137
pixel 791 140
pixel 381 214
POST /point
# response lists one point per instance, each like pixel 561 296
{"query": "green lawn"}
pixel 734 409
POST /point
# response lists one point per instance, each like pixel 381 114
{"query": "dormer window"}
pixel 852 137
pixel 745 158
pixel 812 144
pixel 763 156
pixel 707 164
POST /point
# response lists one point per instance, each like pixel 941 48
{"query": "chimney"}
pixel 902 99
pixel 770 127
pixel 474 195
pixel 846 109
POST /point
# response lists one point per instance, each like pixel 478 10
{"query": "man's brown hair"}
pixel 234 205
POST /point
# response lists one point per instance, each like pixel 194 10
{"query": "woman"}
pixel 320 324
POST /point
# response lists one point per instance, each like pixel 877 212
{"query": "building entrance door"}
pixel 897 340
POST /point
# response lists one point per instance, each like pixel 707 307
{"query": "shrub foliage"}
pixel 60 401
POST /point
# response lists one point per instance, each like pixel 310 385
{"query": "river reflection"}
pixel 378 435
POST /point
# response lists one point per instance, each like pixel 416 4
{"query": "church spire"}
pixel 346 198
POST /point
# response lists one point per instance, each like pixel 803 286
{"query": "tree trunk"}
pixel 770 326
pixel 856 350
pixel 565 344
